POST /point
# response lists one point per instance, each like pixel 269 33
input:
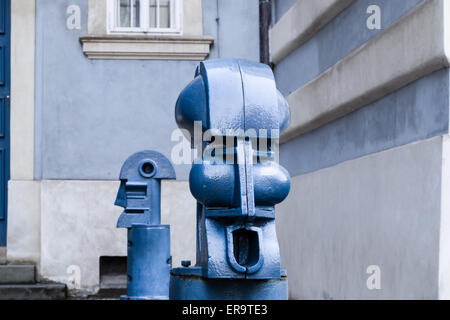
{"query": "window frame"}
pixel 176 19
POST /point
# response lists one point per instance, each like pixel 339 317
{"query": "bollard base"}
pixel 149 262
pixel 186 284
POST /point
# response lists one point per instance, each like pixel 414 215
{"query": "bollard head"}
pixel 149 164
pixel 232 94
pixel 139 191
pixel 238 181
pixel 236 99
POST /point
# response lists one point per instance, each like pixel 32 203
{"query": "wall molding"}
pixel 414 46
pixel 300 23
pixel 146 47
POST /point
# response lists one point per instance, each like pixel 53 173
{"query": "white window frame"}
pixel 176 19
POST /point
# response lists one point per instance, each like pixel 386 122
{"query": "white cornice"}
pixel 146 47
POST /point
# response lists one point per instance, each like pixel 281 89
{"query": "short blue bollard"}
pixel 236 186
pixel 149 261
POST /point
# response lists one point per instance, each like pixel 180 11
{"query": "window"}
pixel 146 29
pixel 145 16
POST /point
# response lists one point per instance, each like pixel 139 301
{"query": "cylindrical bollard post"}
pixel 148 259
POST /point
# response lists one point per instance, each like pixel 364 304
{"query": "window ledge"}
pixel 154 47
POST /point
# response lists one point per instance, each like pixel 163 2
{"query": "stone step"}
pixel 2 255
pixel 110 293
pixel 112 290
pixel 37 291
pixel 17 274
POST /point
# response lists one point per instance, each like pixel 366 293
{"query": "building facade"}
pixel 367 148
pixel 93 81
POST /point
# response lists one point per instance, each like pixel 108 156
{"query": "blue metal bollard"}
pixel 149 260
pixel 237 248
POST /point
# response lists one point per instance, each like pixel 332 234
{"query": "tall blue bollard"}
pixel 149 261
pixel 236 186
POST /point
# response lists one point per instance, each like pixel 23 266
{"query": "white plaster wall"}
pixel 79 225
pixel 24 221
pixel 23 227
pixel 22 89
pixel 382 209
pixel 444 248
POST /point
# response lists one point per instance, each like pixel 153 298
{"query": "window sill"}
pixel 155 47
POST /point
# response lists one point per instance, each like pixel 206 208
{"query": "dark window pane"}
pixel 129 13
pixel 153 12
pixel 125 13
pixel 164 13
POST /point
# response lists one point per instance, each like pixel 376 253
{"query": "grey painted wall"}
pixel 345 33
pixel 236 30
pixel 366 188
pixel 383 209
pixel 417 111
pixel 92 114
pixel 281 7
